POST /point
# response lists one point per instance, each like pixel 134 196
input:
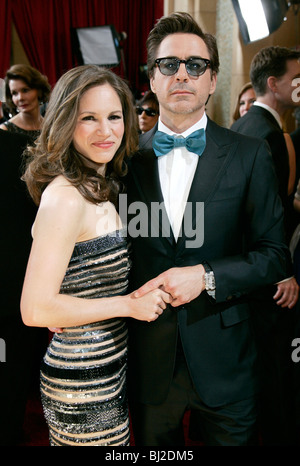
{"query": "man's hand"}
pixel 182 283
pixel 287 293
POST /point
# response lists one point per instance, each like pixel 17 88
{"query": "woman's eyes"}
pixel 23 91
pixel 115 117
pixel 93 118
pixel 88 118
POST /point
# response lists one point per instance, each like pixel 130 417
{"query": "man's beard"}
pixel 179 109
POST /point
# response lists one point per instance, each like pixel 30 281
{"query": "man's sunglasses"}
pixel 149 111
pixel 194 66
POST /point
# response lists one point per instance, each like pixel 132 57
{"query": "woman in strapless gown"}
pixel 83 374
pixel 77 274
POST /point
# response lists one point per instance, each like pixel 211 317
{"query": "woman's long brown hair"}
pixel 54 154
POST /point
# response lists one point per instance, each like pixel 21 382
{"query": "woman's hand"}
pixel 149 306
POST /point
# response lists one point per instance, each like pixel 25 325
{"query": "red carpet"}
pixel 35 427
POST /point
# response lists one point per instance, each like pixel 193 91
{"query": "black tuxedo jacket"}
pixel 243 243
pixel 295 135
pixel 259 122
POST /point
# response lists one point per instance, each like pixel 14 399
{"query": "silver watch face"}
pixel 209 278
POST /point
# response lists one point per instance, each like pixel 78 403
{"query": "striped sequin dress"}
pixel 83 374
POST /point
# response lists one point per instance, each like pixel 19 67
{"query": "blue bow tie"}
pixel 163 143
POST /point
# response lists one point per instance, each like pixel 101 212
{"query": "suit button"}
pixel 229 298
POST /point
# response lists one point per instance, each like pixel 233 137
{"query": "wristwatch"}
pixel 209 280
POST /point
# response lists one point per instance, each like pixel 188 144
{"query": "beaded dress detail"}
pixel 83 374
pixel 32 134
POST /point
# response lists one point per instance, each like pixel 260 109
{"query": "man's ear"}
pixel 213 83
pixel 152 84
pixel 272 83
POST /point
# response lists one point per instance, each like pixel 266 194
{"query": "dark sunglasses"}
pixel 149 111
pixel 194 66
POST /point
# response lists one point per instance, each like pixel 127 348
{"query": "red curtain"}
pixel 44 28
pixel 5 35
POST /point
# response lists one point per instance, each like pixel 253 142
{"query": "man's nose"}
pixel 182 74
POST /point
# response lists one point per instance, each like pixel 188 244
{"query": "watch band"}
pixel 209 280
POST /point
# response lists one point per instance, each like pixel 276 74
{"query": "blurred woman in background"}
pixel 26 90
pixel 245 99
pixel 148 111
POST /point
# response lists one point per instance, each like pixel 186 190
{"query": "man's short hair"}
pixel 179 23
pixel 270 61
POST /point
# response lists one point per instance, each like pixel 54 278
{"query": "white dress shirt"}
pixel 176 173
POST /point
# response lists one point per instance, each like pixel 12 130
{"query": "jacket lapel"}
pixel 145 173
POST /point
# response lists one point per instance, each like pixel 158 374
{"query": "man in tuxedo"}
pixel 200 353
pixel 274 72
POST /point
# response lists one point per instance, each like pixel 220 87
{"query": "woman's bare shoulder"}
pixel 61 205
pixel 60 190
pixel 62 199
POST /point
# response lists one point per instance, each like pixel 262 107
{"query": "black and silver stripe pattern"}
pixel 83 375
